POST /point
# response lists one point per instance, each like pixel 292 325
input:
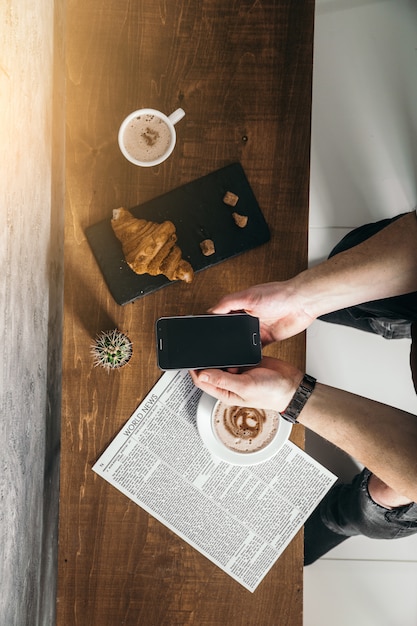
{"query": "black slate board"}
pixel 198 212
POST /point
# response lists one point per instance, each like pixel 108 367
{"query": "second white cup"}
pixel 147 137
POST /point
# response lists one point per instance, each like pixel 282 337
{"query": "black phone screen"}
pixel 195 342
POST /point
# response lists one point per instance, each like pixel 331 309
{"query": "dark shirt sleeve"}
pixel 413 354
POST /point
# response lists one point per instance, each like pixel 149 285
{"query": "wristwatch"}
pixel 304 391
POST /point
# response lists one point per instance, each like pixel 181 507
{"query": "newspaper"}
pixel 241 518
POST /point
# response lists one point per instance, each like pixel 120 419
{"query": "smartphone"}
pixel 203 341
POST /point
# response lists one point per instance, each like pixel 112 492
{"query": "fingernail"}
pixel 204 378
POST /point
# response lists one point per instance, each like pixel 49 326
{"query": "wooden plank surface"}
pixel 242 73
pixel 31 284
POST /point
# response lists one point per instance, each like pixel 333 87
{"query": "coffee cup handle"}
pixel 176 116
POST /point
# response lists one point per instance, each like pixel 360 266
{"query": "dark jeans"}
pixel 363 516
pixel 349 510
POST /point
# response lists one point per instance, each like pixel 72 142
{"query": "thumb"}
pixel 219 384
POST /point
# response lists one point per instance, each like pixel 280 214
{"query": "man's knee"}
pixel 383 495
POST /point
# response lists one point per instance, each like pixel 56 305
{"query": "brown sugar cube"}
pixel 230 198
pixel 240 220
pixel 207 247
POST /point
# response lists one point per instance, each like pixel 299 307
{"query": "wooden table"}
pixel 242 72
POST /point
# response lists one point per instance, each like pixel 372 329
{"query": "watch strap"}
pixel 304 391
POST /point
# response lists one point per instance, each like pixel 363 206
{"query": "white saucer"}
pixel 205 429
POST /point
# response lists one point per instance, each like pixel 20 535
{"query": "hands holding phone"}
pixel 282 312
pixel 347 278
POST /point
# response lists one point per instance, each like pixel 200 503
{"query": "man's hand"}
pixel 278 305
pixel 270 385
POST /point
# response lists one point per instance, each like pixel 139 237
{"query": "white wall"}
pixel 364 166
pixel 31 211
pixel 364 153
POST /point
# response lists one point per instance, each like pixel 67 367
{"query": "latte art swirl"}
pixel 244 429
pixel 244 422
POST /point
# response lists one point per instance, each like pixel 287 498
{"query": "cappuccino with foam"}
pixel 147 137
pixel 244 429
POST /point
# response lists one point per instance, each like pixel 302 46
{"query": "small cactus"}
pixel 111 349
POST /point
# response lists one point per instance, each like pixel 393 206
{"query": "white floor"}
pixel 364 168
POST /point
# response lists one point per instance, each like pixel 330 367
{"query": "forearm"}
pixel 384 265
pixel 382 438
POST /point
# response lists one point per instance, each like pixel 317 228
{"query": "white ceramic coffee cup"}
pixel 205 412
pixel 170 121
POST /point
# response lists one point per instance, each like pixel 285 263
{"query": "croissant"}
pixel 149 247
